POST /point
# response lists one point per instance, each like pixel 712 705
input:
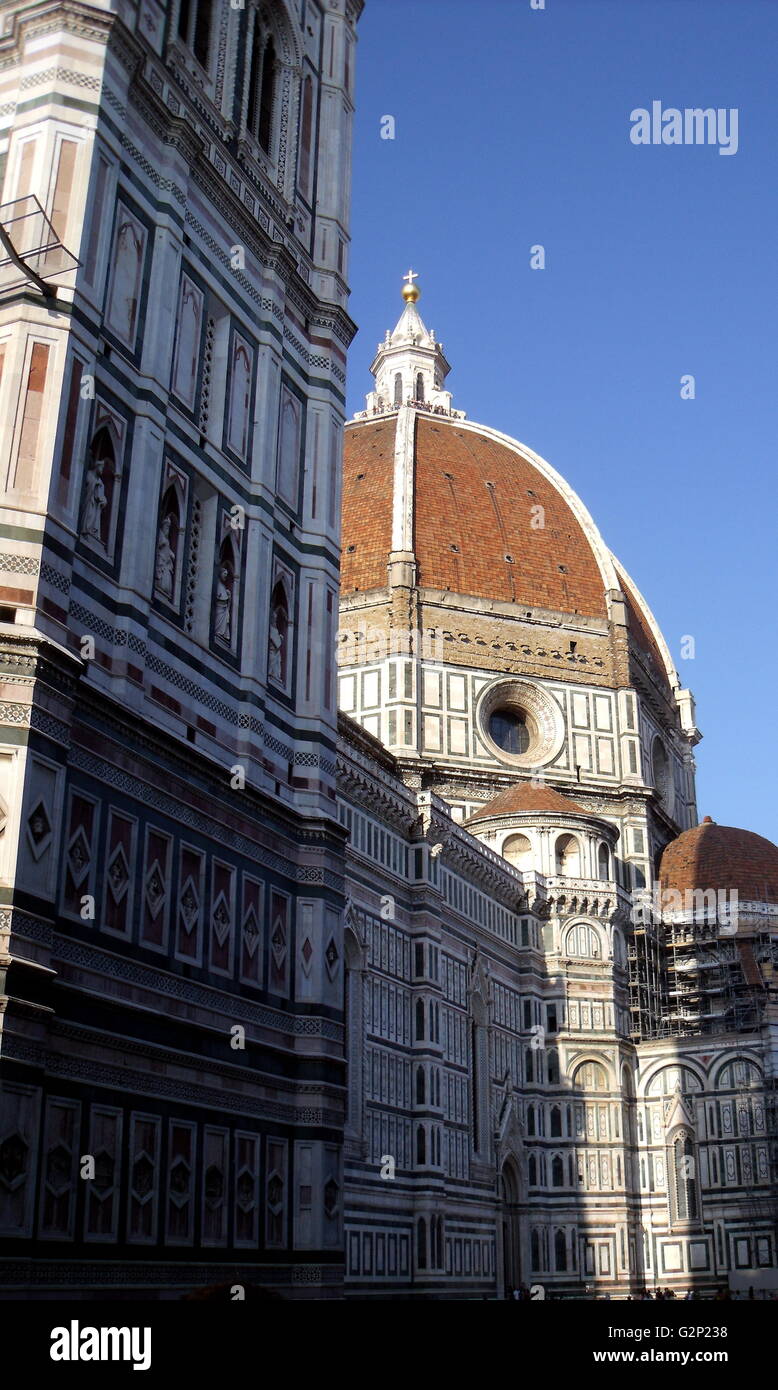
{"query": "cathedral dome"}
pixel 454 509
pixel 478 505
pixel 523 797
pixel 711 856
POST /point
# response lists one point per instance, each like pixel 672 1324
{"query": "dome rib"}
pixel 476 498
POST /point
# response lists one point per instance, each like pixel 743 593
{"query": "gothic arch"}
pixel 170 532
pixel 227 580
pixel 279 23
pixel 280 631
pixel 683 1187
pixel 101 479
pixel 511 1194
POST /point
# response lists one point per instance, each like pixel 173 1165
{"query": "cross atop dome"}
pixel 410 368
pixel 410 291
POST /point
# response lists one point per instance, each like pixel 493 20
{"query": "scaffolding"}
pixel 697 975
pixel 715 982
pixel 648 999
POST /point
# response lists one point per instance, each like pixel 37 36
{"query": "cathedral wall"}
pixel 705 1167
pixel 172 877
pixel 487 1138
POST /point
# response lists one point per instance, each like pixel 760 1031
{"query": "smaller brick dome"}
pixel 524 797
pixel 721 856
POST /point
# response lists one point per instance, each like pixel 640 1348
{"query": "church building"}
pixel 561 992
pixel 173 335
pixel 359 937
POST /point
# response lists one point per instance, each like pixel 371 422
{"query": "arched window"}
pixel 419 1085
pixel 266 95
pixel 560 1251
pixel 278 660
pixel 261 93
pixel 557 1172
pixel 398 388
pixel 530 1119
pixel 556 1122
pixel 419 1019
pixel 533 1171
pixel 583 940
pixel 535 1249
pixel 553 1067
pixel 421 1145
pixel 684 1178
pixel 603 862
pixel 590 1076
pixel 419 387
pixel 567 855
pixel 517 849
pixel 421 1244
pixel 194 27
pixel 306 130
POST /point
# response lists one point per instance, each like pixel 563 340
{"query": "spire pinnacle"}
pixel 410 368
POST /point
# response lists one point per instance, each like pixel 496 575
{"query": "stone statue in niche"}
pixel 275 660
pixel 222 622
pixel 165 563
pixel 278 636
pixel 95 502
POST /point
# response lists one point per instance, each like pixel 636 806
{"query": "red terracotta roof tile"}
pixel 473 507
pixel 721 856
pixel 524 797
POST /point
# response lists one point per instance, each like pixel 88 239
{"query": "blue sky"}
pixel 512 129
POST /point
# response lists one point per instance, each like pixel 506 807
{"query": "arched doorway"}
pixel 511 1243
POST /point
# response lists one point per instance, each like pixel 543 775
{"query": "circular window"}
pixel 509 730
pixel 520 724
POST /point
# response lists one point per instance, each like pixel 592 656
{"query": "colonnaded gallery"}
pixel 443 994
